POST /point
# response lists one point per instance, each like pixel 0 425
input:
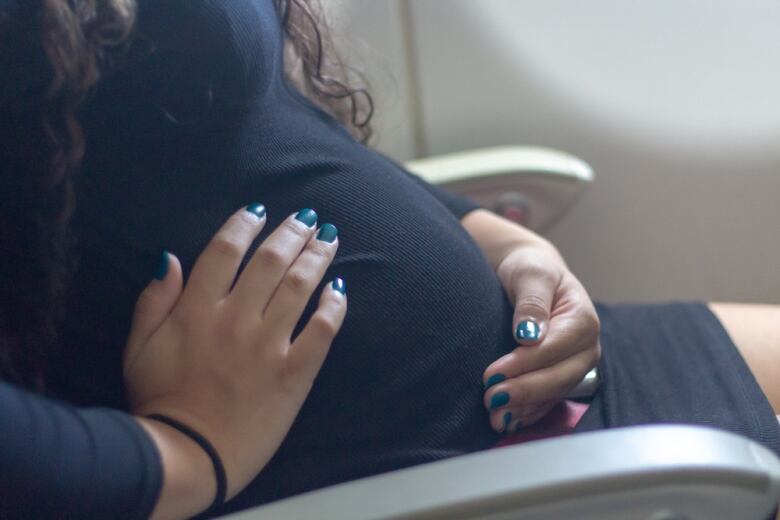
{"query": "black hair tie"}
pixel 219 468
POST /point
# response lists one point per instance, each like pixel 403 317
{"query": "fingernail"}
pixel 527 330
pixel 328 233
pixel 498 400
pixel 494 380
pixel 256 208
pixel 162 266
pixel 507 419
pixel 307 216
pixel 517 426
pixel 339 286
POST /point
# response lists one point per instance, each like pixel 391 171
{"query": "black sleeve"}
pixel 57 461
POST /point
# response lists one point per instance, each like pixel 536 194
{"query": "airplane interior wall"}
pixel 675 104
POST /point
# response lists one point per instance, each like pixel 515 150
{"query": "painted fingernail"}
pixel 338 285
pixel 494 380
pixel 507 419
pixel 257 209
pixel 328 233
pixel 162 266
pixel 527 330
pixel 498 400
pixel 307 216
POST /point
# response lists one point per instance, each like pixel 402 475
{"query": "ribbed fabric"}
pixel 57 461
pixel 204 123
pixel 675 363
pixel 402 384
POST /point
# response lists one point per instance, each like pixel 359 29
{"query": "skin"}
pixel 221 360
pixel 539 375
pixel 755 330
pixel 537 280
pixel 177 333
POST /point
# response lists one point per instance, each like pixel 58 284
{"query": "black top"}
pixel 198 120
pixel 57 461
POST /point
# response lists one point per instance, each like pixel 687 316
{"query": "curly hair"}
pixel 61 44
pixel 55 51
pixel 316 69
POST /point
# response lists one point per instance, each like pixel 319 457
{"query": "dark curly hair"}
pixel 52 53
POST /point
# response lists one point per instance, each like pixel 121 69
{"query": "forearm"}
pixel 189 481
pixel 60 461
pixel 497 236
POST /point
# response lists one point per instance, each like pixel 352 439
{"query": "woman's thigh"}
pixel 755 330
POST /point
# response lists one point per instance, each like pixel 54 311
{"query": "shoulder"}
pixel 234 43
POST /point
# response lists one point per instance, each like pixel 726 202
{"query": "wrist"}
pixel 498 238
pixel 189 481
pixel 537 245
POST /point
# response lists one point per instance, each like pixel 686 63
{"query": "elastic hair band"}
pixel 219 468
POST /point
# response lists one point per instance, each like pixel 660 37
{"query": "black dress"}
pixel 195 120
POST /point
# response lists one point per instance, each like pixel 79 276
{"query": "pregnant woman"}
pixel 196 112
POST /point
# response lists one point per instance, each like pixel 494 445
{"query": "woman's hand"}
pixel 218 356
pixel 554 323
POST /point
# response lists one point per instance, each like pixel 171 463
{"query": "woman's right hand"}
pixel 218 356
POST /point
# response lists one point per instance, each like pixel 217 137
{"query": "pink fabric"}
pixel 559 421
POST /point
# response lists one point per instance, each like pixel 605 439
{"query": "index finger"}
pixel 567 337
pixel 216 267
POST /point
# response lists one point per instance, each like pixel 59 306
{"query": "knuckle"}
pixel 295 228
pixel 298 281
pixel 321 251
pixel 323 325
pixel 227 246
pixel 236 328
pixel 272 256
pixel 245 220
pixel 533 303
pixel 592 324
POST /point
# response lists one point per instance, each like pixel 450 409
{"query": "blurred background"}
pixel 675 104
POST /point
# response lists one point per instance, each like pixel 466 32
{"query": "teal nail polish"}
pixel 328 233
pixel 339 286
pixel 256 208
pixel 498 400
pixel 507 419
pixel 494 380
pixel 527 330
pixel 162 266
pixel 307 216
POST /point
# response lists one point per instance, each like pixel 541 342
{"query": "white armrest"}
pixel 548 181
pixel 638 472
pixel 502 160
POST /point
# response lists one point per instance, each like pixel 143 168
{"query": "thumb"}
pixel 157 300
pixel 533 303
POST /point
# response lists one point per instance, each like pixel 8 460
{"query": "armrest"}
pixel 634 472
pixel 531 185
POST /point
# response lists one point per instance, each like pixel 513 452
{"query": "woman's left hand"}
pixel 555 323
pixel 557 329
